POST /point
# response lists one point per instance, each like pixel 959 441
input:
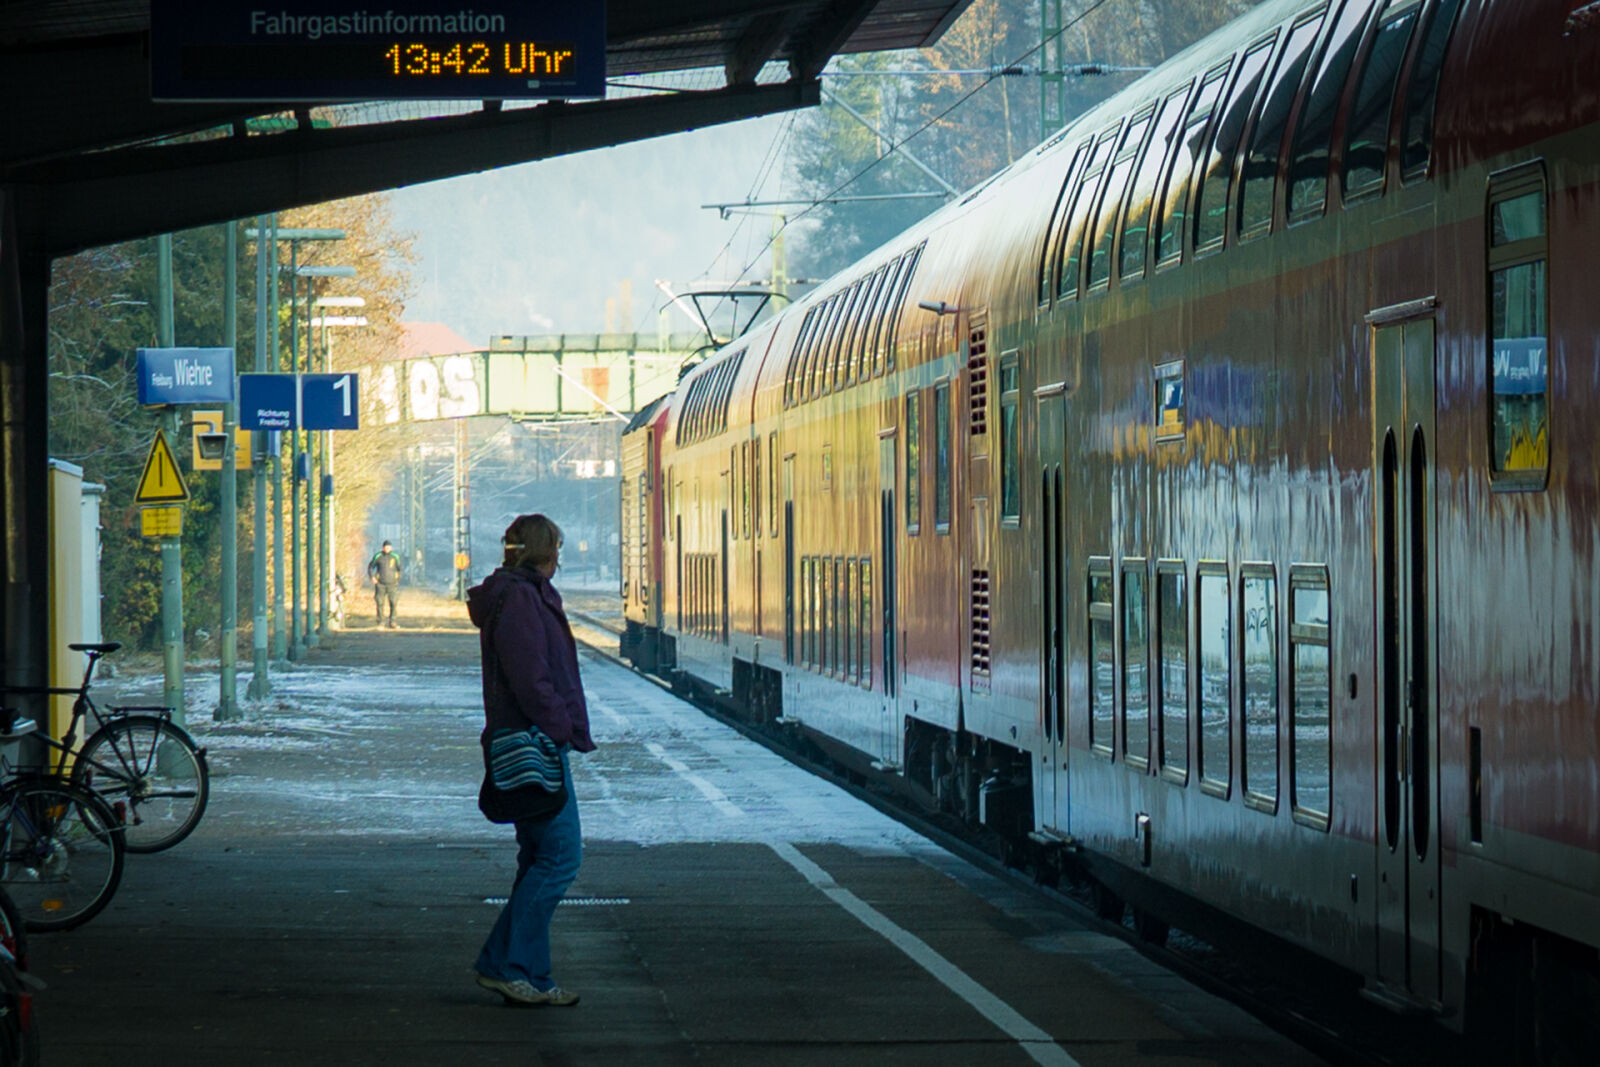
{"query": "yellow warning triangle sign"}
pixel 161 482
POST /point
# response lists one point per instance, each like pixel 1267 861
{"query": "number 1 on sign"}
pixel 343 385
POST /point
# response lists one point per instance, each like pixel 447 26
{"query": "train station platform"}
pixel 731 909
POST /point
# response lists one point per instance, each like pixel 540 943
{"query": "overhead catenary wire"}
pixel 935 120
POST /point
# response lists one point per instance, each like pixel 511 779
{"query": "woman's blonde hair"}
pixel 532 541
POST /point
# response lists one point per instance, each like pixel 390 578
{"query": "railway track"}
pixel 1306 1000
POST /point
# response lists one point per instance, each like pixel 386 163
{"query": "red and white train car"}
pixel 1206 497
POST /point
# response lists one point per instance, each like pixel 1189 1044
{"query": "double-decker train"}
pixel 1203 503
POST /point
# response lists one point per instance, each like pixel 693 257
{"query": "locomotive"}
pixel 1201 505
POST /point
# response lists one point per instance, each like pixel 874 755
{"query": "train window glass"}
pixel 753 502
pixel 867 343
pixel 880 340
pixel 860 361
pixel 1172 674
pixel 1308 163
pixel 1175 194
pixel 1213 676
pixel 899 300
pixel 1311 695
pixel 792 366
pixel 772 482
pixel 1056 221
pixel 746 489
pixel 1158 148
pixel 913 463
pixel 842 354
pixel 824 615
pixel 1104 231
pixel 1519 330
pixel 866 623
pixel 1258 683
pixel 1416 137
pixel 1169 399
pixel 1102 657
pixel 852 660
pixel 1078 219
pixel 1366 143
pixel 1010 460
pixel 1135 663
pixel 1216 180
pixel 819 344
pixel 941 458
pixel 841 619
pixel 1259 178
pixel 805 613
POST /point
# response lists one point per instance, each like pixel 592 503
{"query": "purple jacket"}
pixel 537 682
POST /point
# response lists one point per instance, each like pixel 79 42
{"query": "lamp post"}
pixel 282 646
pixel 305 466
pixel 328 564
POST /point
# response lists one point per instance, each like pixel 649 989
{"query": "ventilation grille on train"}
pixel 978 377
pixel 980 629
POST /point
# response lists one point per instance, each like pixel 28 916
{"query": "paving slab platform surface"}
pixel 730 910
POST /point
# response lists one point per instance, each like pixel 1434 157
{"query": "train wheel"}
pixel 1149 928
pixel 1107 905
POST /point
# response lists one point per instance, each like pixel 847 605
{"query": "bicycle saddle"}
pixel 102 649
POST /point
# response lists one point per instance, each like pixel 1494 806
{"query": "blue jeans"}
pixel 548 854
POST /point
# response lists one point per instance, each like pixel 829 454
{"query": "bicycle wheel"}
pixel 151 773
pixel 63 853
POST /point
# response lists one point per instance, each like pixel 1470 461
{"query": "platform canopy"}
pixel 89 158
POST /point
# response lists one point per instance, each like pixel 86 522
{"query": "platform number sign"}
pixel 330 401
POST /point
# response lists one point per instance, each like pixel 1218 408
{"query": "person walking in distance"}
pixel 384 570
pixel 530 679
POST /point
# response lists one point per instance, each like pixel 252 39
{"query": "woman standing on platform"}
pixel 530 680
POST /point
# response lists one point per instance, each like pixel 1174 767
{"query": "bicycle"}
pixel 61 852
pixel 147 767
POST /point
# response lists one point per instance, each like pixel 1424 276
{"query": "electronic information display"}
pixel 300 52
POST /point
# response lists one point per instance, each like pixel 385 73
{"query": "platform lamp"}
pixel 326 553
pixel 307 636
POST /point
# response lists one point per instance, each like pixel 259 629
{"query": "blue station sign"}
pixel 300 401
pixel 268 402
pixel 185 375
pixel 297 50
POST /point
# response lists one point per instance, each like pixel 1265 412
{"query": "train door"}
pixel 788 559
pixel 1050 566
pixel 886 594
pixel 1402 341
pixel 723 622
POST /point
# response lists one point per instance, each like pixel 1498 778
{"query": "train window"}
pixel 866 623
pixel 1213 676
pixel 838 619
pixel 1169 395
pixel 852 661
pixel 805 613
pixel 871 326
pixel 1216 180
pixel 941 458
pixel 1366 143
pixel 1083 201
pixel 1259 178
pixel 1308 163
pixel 1311 695
pixel 735 490
pixel 793 365
pixel 772 481
pixel 1102 657
pixel 827 468
pixel 752 506
pixel 842 354
pixel 1175 195
pixel 1258 683
pixel 1105 229
pixel 1172 673
pixel 881 316
pixel 1010 460
pixel 746 490
pixel 1158 148
pixel 1057 220
pixel 1416 136
pixel 913 258
pixel 1519 329
pixel 818 345
pixel 819 606
pixel 1135 663
pixel 913 463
